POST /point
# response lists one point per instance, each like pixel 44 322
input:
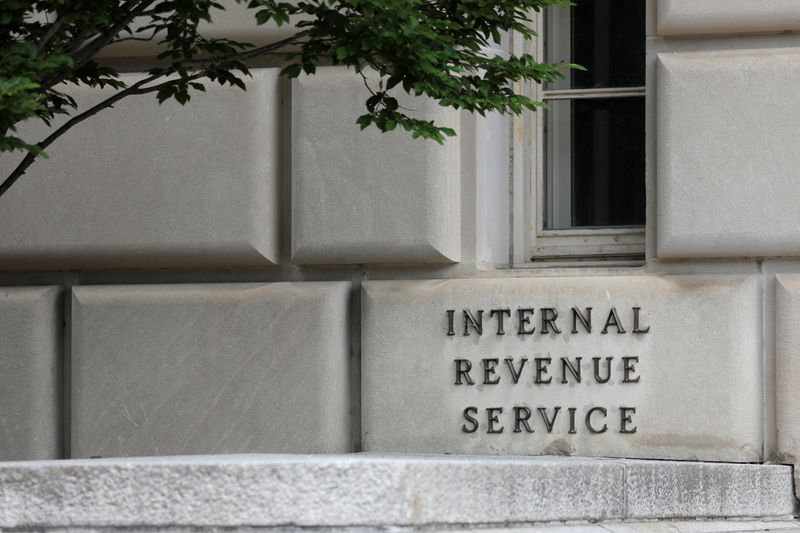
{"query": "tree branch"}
pixel 132 38
pixel 103 39
pixel 255 52
pixel 249 54
pixel 154 88
pixel 48 36
pixel 82 52
pixel 29 158
pixel 139 88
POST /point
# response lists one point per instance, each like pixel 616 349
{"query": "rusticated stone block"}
pixel 787 368
pixel 365 196
pixel 727 158
pixel 143 185
pixel 665 367
pixel 30 373
pixel 694 17
pixel 188 369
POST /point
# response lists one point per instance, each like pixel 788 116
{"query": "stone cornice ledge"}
pixel 368 490
pixel 701 17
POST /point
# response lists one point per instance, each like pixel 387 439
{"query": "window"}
pixel 589 166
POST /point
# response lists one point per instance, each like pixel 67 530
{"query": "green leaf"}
pixel 291 71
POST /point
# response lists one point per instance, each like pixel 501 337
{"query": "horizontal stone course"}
pixel 214 368
pixel 149 185
pixel 349 491
pixel 692 17
pixel 30 373
pixel 686 386
pixel 234 22
pixel 660 526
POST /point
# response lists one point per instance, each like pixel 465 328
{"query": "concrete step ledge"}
pixel 367 490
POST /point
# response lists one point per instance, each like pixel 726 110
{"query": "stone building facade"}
pixel 253 274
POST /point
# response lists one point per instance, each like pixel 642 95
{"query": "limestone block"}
pixel 727 158
pixel 30 373
pixel 363 196
pixel 187 369
pixel 143 185
pixel 234 22
pixel 680 378
pixel 365 492
pixel 691 17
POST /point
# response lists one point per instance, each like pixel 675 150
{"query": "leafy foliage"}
pixel 436 48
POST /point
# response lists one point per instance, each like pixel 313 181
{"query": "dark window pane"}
pixel 607 37
pixel 608 162
pixel 597 179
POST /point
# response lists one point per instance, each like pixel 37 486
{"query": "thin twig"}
pixel 132 38
pixel 366 82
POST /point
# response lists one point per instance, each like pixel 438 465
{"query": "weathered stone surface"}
pixel 356 490
pixel 688 17
pixel 363 196
pixel 143 185
pixel 727 163
pixel 185 369
pixel 698 394
pixel 661 526
pixel 30 373
pixel 686 490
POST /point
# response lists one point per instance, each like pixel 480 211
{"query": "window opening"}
pixel 594 148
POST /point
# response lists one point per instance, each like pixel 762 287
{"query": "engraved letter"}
pixel 500 313
pixel 519 419
pixel 469 319
pixel 541 370
pixel 613 320
pixel 492 418
pixel 548 422
pixel 572 420
pixel 597 377
pixel 463 366
pixel 473 422
pixel 516 372
pixel 450 314
pixel 549 316
pixel 489 377
pixel 574 370
pixel 586 319
pixel 628 369
pixel 625 419
pixel 589 414
pixel 636 328
pixel 524 321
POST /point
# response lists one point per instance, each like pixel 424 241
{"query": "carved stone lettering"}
pixel 609 370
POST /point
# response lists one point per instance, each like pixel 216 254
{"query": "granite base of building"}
pixel 366 491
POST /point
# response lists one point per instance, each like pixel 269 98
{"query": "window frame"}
pixel 603 245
